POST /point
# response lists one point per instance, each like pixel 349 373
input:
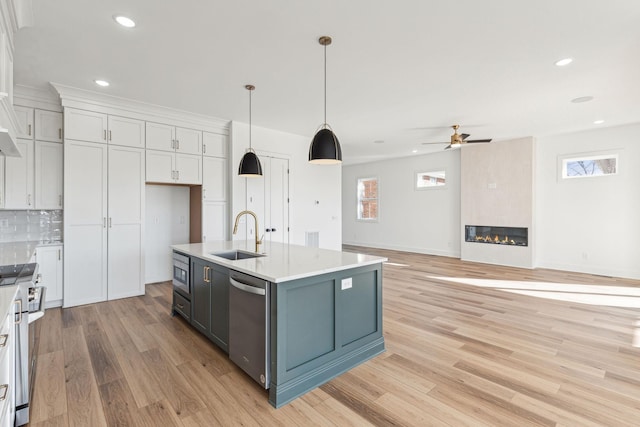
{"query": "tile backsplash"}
pixel 32 225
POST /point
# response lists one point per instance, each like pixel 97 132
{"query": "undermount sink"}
pixel 236 255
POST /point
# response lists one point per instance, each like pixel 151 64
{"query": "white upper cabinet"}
pixel 81 125
pixel 48 175
pixel 160 166
pixel 19 177
pixel 25 122
pixel 89 126
pixel 48 126
pixel 171 138
pixel 2 181
pixel 214 144
pixel 188 169
pixel 214 179
pixel 125 131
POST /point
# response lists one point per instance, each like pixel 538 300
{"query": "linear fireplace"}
pixel 514 236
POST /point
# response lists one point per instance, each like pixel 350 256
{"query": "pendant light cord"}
pixel 250 119
pixel 325 85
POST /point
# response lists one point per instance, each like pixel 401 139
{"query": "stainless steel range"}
pixel 31 302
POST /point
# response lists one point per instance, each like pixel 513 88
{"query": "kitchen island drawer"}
pixel 181 305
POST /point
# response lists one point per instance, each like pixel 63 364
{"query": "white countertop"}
pixel 282 262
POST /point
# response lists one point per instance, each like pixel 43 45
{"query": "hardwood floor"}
pixel 467 344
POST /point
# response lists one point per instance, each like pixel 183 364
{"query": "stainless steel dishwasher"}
pixel 249 325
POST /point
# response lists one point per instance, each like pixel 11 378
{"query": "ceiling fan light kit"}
pixel 250 166
pixel 458 140
pixel 325 148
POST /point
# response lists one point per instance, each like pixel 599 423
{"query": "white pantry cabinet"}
pixel 172 138
pixel 19 175
pixel 48 125
pixel 2 182
pixel 173 168
pixel 90 126
pixel 48 175
pixel 214 145
pixel 104 222
pixel 49 259
pixel 214 179
pixel 214 221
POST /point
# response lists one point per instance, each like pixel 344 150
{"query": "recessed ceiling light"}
pixel 102 83
pixel 582 99
pixel 124 21
pixel 414 151
pixel 563 62
pixel 598 122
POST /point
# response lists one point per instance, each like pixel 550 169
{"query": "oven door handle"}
pixel 247 288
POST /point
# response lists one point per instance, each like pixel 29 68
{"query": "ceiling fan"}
pixel 458 140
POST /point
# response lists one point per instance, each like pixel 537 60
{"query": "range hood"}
pixel 8 124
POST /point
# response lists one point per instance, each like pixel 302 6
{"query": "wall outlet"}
pixel 182 219
pixel 492 186
pixel 347 283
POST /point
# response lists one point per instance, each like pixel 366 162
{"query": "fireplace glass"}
pixel 515 236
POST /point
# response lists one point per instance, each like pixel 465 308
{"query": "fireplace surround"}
pixel 497 235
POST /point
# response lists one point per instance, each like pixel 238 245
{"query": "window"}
pixel 595 165
pixel 368 199
pixel 430 179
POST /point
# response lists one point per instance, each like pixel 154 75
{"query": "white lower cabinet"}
pixel 173 168
pixel 49 259
pixel 7 369
pixel 104 222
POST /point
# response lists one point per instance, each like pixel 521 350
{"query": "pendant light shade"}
pixel 325 147
pixel 250 166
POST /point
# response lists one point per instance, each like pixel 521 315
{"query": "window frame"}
pixel 432 187
pixel 563 161
pixel 377 199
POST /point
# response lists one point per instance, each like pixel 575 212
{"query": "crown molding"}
pixel 29 96
pixel 108 104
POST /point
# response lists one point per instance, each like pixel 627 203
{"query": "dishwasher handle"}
pixel 247 288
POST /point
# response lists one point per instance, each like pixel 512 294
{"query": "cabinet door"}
pixel 49 259
pixel 84 125
pixel 220 307
pixel 188 141
pixel 19 177
pixel 125 222
pixel 48 174
pixel 25 122
pixel 127 132
pixel 2 181
pixel 48 126
pixel 85 223
pixel 201 295
pixel 214 144
pixel 188 168
pixel 214 221
pixel 160 136
pixel 160 166
pixel 214 179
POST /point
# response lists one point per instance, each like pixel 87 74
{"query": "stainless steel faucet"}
pixel 255 217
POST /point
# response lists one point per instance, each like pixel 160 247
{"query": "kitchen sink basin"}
pixel 236 255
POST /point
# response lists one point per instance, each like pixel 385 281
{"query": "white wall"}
pixel 423 221
pixel 308 183
pixel 590 224
pixel 167 223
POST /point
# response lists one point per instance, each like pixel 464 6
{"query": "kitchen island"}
pixel 323 309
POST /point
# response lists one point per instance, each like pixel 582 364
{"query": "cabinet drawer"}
pixel 181 305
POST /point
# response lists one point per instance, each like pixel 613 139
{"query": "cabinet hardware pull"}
pixel 5 389
pixel 3 339
pixel 177 144
pixel 29 199
pixel 207 277
pixel 173 144
pixel 104 222
pixel 60 200
pixel 110 136
pixel 204 148
pixel 180 306
pixel 59 255
pixel 204 193
pixel 104 134
pixel 29 131
pixel 178 175
pixel 59 133
pixel 110 225
pixel 19 310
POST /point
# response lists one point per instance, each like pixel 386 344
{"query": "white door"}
pixel 49 259
pixel 48 126
pixel 188 169
pixel 160 136
pixel 256 188
pixel 188 141
pixel 25 122
pixel 85 223
pixel 48 175
pixel 126 131
pixel 214 179
pixel 19 177
pixel 214 221
pixel 214 144
pixel 84 125
pixel 125 222
pixel 277 200
pixel 160 166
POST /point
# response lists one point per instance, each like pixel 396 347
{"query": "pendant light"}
pixel 325 147
pixel 250 166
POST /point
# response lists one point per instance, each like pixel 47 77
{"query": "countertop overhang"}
pixel 282 262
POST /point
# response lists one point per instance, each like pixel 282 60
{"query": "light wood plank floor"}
pixel 463 348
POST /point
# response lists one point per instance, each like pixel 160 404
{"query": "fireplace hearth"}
pixel 509 236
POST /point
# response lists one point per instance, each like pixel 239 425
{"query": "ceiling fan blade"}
pixel 478 140
pixel 464 136
pixel 428 143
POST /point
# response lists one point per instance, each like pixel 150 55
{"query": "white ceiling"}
pixel 398 71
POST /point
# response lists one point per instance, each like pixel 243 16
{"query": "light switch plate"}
pixel 347 283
